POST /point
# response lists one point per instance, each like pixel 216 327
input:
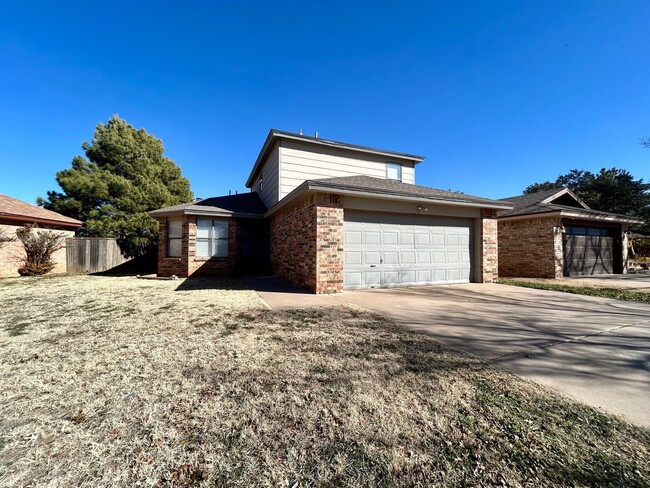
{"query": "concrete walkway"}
pixel 595 350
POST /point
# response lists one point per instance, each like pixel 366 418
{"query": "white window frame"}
pixel 212 240
pixel 171 236
pixel 396 166
pixel 261 182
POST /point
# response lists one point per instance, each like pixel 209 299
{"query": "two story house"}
pixel 329 216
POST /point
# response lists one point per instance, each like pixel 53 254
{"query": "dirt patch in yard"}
pixel 117 381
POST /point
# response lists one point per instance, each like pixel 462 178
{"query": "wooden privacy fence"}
pixel 92 254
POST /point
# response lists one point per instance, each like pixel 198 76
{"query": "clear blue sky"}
pixel 496 95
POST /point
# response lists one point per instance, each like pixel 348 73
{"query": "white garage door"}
pixel 383 250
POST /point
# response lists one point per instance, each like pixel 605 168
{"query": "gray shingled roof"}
pixel 369 184
pixel 357 147
pixel 532 204
pixel 242 204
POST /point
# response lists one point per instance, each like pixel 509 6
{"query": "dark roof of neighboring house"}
pixel 543 202
pixel 279 134
pixel 243 204
pixel 17 210
pixel 379 186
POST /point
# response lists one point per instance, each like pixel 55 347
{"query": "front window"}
pixel 394 171
pixel 211 238
pixel 174 238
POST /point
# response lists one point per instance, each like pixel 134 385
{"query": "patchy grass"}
pixel 593 291
pixel 219 391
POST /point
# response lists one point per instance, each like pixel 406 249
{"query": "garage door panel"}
pixel 588 250
pixel 422 239
pixel 353 257
pixel 406 239
pixel 425 275
pixel 407 276
pixel 373 277
pixel 402 250
pixel 352 278
pixel 453 240
pixel 424 257
pixel 391 238
pixel 372 257
pixel 391 277
pixel 391 257
pixel 407 257
pixel 372 237
pixel 439 257
pixel 353 236
pixel 439 275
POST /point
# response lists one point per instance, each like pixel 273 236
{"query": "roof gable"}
pixel 275 135
pixel 557 202
pixel 567 198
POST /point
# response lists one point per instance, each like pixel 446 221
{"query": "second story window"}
pixel 394 171
pixel 261 182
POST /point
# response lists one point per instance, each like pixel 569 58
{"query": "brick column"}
pixel 307 243
pixel 624 251
pixel 489 251
pixel 329 243
pixel 558 250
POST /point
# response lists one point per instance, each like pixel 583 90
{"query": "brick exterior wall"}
pixel 307 243
pixel 189 264
pixel 490 246
pixel 12 254
pixel 530 248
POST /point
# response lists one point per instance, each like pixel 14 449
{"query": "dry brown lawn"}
pixel 124 382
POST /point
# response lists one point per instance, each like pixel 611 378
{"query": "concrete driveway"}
pixel 595 350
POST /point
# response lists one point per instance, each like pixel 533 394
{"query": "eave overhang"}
pixel 310 187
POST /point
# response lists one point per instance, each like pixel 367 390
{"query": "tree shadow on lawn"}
pixel 331 365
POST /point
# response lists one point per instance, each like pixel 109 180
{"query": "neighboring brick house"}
pixel 14 214
pixel 329 216
pixel 553 233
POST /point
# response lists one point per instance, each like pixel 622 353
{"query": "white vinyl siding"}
pixel 174 238
pixel 269 175
pixel 303 161
pixel 211 238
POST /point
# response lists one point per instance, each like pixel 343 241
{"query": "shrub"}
pixel 640 246
pixel 4 238
pixel 39 246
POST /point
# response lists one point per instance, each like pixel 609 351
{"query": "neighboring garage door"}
pixel 384 250
pixel 588 250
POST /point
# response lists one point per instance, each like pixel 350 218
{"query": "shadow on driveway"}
pixel 594 349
